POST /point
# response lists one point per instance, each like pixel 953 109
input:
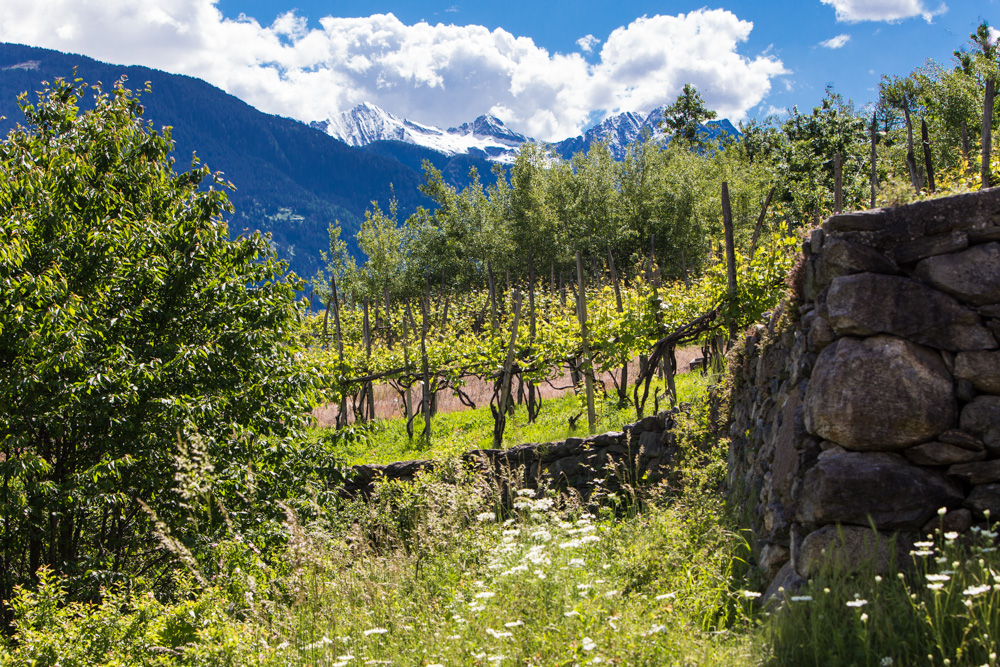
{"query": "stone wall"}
pixel 874 399
pixel 642 451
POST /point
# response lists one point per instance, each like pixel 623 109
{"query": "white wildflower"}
pixel 976 590
pixel 857 603
pixel 588 644
pixel 667 596
pixel 375 631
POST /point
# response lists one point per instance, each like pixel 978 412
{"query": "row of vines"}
pixel 532 333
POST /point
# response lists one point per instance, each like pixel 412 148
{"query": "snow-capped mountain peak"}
pixel 488 137
pixel 490 127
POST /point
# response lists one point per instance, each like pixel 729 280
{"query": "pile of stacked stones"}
pixel 875 401
pixel 641 453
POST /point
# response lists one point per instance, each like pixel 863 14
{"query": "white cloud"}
pixel 437 74
pixel 587 43
pixel 854 11
pixel 836 42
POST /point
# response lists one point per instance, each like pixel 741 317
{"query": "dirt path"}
pixel 388 403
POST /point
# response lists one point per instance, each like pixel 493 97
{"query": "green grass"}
pixel 453 569
pixel 458 432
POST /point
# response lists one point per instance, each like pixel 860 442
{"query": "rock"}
pixel 985 498
pixel 842 258
pixel 980 368
pixel 942 454
pixel 981 418
pixel 879 394
pixel 861 221
pixel 820 334
pixel 927 246
pixel 772 558
pixel 971 276
pixel 977 473
pixel 959 521
pixel 868 303
pixel 859 488
pixel 849 549
pixel 786 582
pixel 962 439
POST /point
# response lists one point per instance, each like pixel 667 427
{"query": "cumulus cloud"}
pixel 836 42
pixel 438 74
pixel 587 43
pixel 855 11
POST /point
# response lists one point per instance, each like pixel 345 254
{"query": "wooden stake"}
pixel 369 387
pixel 727 223
pixel 426 396
pixel 966 148
pixel 531 291
pixel 911 161
pixel 756 229
pixel 500 414
pixel 493 296
pixel 928 163
pixel 838 183
pixel 623 385
pixel 342 413
pixel 987 134
pixel 588 375
pixel 874 177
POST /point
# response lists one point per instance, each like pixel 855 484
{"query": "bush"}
pixel 130 324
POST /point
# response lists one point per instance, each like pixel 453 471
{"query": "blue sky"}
pixel 548 69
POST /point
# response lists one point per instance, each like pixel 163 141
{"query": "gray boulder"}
pixel 980 368
pixel 879 394
pixel 868 303
pixel 865 488
pixel 972 276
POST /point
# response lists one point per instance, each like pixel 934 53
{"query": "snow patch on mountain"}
pixel 367 123
pixel 488 137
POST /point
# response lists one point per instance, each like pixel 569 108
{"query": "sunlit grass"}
pixel 458 432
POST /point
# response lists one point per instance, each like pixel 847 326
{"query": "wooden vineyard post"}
pixel 838 183
pixel 623 386
pixel 987 134
pixel 874 158
pixel 727 222
pixel 500 410
pixel 928 163
pixel 562 290
pixel 911 161
pixel 369 386
pixel 342 412
pixel 757 228
pixel 533 396
pixel 966 148
pixel 493 296
pixel 408 397
pixel 552 279
pixel 425 304
pixel 588 374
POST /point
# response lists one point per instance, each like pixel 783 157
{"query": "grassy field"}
pixel 450 570
pixel 454 433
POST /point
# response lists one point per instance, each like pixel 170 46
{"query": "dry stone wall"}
pixel 875 400
pixel 641 451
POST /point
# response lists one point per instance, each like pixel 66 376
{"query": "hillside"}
pixel 291 180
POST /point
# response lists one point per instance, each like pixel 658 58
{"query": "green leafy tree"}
pixel 134 333
pixel 686 114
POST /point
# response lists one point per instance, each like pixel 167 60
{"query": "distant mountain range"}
pixel 488 138
pixel 294 180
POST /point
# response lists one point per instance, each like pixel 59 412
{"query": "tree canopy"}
pixel 133 332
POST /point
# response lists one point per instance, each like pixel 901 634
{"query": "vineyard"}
pixel 519 338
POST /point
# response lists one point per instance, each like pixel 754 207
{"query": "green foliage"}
pixel 943 607
pixel 130 321
pixel 685 115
